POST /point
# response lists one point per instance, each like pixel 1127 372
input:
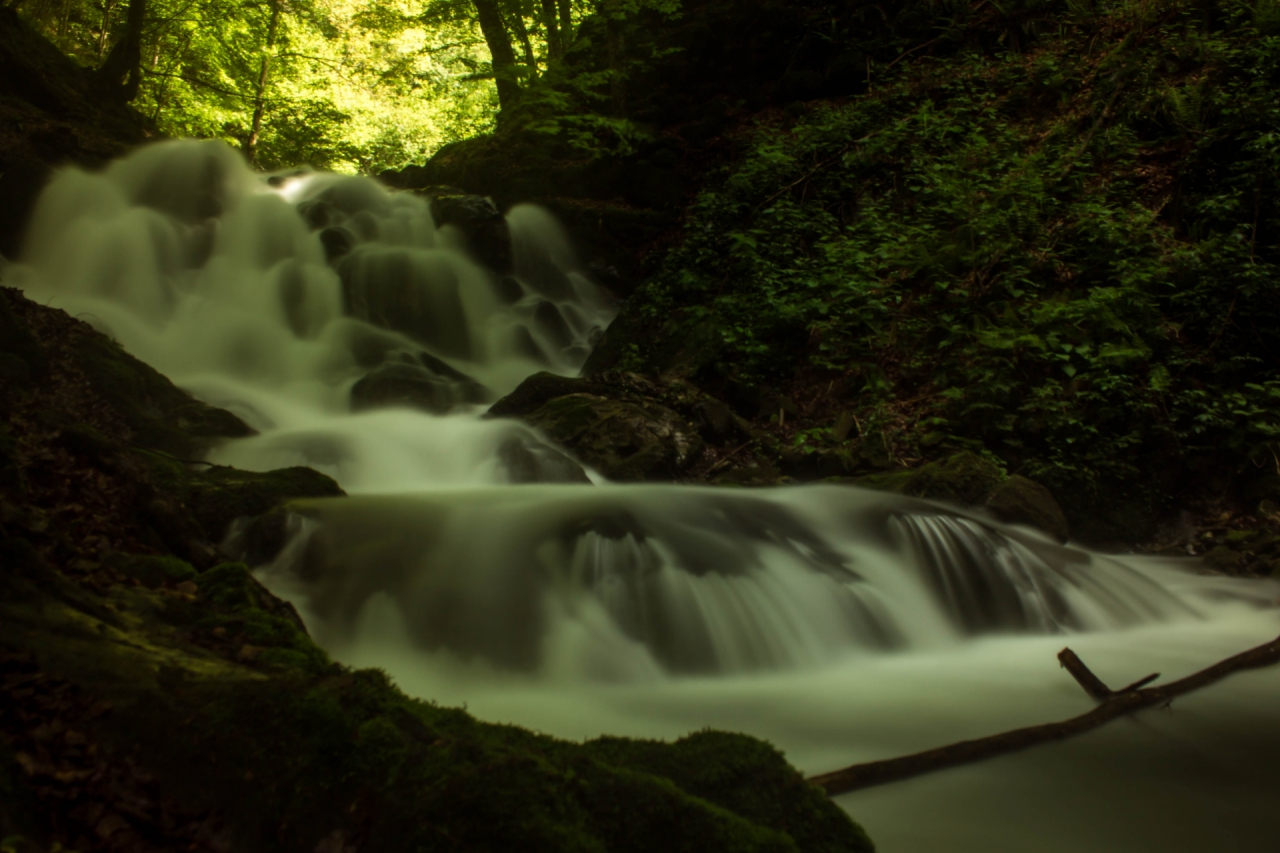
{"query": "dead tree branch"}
pixel 1112 704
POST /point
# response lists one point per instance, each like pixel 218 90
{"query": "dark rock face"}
pixel 432 387
pixel 483 225
pixel 625 441
pixel 1022 501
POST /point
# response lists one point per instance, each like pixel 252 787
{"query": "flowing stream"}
pixel 840 624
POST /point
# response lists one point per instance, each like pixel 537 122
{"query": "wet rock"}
pixel 436 388
pixel 221 495
pixel 537 390
pixel 718 422
pixel 623 440
pixel 1022 501
pixel 336 242
pixel 483 225
pixel 20 185
pixel 964 478
pixel 528 461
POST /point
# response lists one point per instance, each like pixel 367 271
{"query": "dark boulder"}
pixel 623 440
pixel 1022 501
pixel 481 223
pixel 434 387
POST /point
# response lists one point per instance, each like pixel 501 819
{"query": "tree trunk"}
pixel 522 33
pixel 616 47
pixel 1112 705
pixel 107 9
pixel 260 96
pixel 555 49
pixel 566 24
pixel 504 58
pixel 121 73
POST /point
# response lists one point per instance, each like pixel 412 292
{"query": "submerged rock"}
pixel 432 387
pixel 528 461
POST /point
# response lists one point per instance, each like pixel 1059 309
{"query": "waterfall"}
pixel 361 339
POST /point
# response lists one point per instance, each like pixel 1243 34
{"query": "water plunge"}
pixel 362 340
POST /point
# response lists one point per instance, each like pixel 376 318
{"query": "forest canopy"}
pixel 352 85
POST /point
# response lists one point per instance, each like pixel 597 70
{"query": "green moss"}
pixel 152 570
pixel 292 759
pixel 745 776
pixel 220 495
pixel 964 478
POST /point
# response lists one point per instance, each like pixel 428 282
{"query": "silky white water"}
pixel 839 624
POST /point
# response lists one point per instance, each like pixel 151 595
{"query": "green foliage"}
pixel 1063 250
pixel 350 86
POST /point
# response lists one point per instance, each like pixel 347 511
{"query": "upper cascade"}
pixel 318 307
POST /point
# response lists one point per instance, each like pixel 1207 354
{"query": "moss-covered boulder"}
pixel 220 495
pixel 1022 501
pixel 963 478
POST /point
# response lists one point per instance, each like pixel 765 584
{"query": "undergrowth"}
pixel 1054 241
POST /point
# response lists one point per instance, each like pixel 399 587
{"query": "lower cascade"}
pixel 357 337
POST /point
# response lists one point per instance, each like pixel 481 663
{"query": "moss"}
pixel 16 340
pixel 221 495
pixel 152 570
pixel 625 440
pixel 1022 501
pixel 964 478
pixel 745 776
pixel 294 760
pixel 162 416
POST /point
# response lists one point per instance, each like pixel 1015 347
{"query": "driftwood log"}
pixel 1112 704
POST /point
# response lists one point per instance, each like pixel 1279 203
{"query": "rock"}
pixel 483 225
pixel 528 461
pixel 1223 559
pixel 337 241
pixel 964 478
pixel 221 495
pixel 20 186
pixel 623 440
pixel 436 388
pixel 537 390
pixel 1022 501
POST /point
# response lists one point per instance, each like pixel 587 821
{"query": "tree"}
pixel 121 73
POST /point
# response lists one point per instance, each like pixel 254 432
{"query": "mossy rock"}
pixel 964 478
pixel 221 495
pixel 537 390
pixel 161 415
pixel 152 570
pixel 623 440
pixel 27 357
pixel 295 758
pixel 742 774
pixel 1019 500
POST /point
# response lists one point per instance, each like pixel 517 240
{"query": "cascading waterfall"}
pixel 475 562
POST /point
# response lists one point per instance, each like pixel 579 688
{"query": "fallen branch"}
pixel 1113 704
